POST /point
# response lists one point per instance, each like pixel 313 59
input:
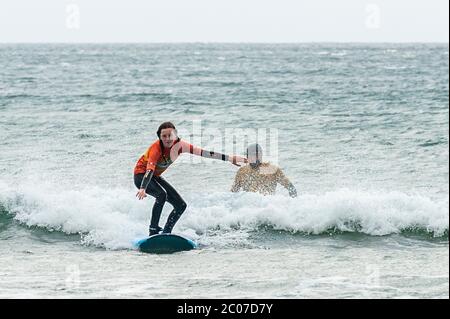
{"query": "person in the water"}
pixel 260 177
pixel 158 157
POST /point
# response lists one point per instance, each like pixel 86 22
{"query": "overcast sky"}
pixel 224 21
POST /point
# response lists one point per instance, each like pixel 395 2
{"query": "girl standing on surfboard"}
pixel 158 157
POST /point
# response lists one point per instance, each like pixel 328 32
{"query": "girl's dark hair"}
pixel 164 126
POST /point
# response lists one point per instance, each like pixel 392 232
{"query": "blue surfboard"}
pixel 164 244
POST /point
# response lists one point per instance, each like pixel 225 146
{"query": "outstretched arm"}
pixel 284 181
pixel 215 155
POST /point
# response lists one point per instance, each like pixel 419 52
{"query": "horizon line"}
pixel 229 42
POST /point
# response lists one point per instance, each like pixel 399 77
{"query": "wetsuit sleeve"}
pixel 237 182
pixel 286 183
pixel 146 180
pixel 215 155
pixel 195 150
pixel 153 154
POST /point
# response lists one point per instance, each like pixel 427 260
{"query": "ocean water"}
pixel 361 130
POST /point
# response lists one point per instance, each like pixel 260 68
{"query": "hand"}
pixel 235 159
pixel 141 194
pixel 292 192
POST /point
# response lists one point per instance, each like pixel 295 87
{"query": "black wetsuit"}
pixel 163 192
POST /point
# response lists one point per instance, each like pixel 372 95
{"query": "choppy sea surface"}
pixel 361 130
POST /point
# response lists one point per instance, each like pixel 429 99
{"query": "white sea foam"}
pixel 113 219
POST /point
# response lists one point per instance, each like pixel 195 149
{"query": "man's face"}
pixel 252 159
pixel 168 137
